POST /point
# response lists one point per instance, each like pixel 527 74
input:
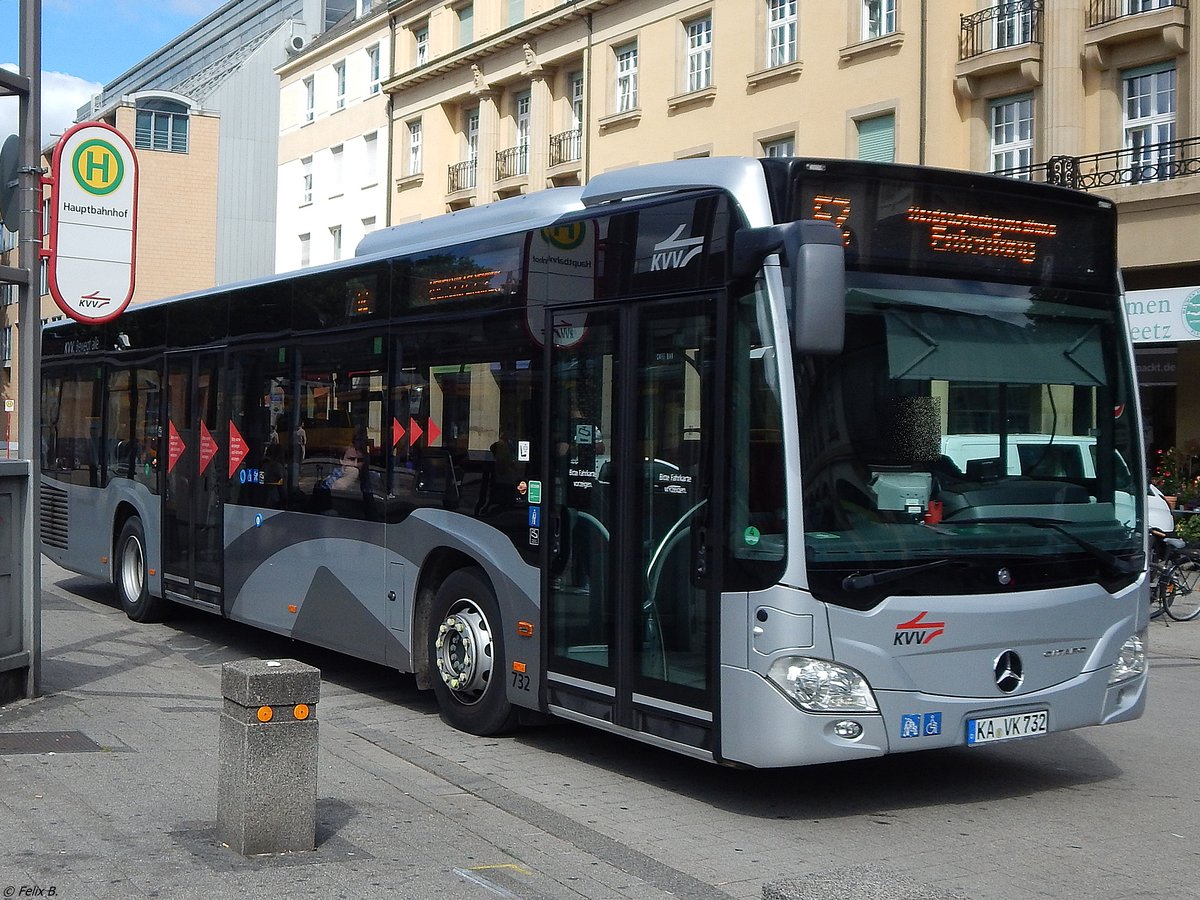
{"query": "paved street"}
pixel 125 805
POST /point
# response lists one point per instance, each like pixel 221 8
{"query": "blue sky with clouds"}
pixel 87 43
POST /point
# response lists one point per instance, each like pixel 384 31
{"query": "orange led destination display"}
pixel 939 223
pixel 981 235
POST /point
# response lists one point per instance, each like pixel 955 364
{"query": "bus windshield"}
pixel 972 438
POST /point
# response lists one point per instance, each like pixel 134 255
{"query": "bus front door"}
pixel 192 538
pixel 628 580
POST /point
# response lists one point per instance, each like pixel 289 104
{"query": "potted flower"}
pixel 1176 472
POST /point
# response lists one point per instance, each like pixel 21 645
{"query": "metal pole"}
pixel 30 328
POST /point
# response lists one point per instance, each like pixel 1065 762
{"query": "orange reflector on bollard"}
pixel 519 667
pixel 292 608
pixel 525 629
pixel 301 711
pixel 265 714
pixel 151 573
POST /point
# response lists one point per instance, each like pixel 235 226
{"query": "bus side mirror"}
pixel 814 280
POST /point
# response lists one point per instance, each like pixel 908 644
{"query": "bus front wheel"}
pixel 466 655
pixel 130 574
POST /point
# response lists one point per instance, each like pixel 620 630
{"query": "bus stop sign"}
pixel 93 223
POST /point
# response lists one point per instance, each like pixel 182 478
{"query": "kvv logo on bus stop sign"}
pixel 92 240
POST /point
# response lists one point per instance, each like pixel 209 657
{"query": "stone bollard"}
pixel 267 780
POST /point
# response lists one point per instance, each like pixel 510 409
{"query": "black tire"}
pixel 467 662
pixel 1158 593
pixel 130 576
pixel 1183 587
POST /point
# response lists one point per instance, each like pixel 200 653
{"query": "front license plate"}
pixel 1005 728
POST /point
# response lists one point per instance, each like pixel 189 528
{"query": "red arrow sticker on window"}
pixel 432 432
pixel 414 431
pixel 208 448
pixel 175 446
pixel 397 432
pixel 237 448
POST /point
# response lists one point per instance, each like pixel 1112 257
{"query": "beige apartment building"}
pixel 500 97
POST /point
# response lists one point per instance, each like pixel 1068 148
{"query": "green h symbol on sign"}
pixel 97 167
pixel 97 161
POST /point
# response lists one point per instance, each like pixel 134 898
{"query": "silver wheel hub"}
pixel 132 568
pixel 464 650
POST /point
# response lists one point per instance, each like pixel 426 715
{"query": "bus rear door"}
pixel 192 538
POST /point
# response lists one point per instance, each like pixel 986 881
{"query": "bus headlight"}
pixel 1131 661
pixel 818 685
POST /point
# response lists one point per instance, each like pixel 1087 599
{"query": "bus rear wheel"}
pixel 130 575
pixel 466 655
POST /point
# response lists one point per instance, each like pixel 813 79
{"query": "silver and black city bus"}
pixel 761 461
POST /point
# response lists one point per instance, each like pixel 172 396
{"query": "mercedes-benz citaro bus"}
pixel 661 455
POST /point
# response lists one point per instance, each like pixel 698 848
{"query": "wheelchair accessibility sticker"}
pixel 920 725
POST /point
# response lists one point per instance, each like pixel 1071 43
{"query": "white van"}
pixel 1037 455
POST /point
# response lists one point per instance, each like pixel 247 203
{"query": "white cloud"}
pixel 62 95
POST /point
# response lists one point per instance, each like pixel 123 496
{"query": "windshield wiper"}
pixel 1113 564
pixel 870 579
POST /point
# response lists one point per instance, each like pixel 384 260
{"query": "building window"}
pixel 371 159
pixel 161 125
pixel 339 78
pixel 368 224
pixel 699 54
pixel 877 138
pixel 576 81
pixel 781 32
pixel 521 111
pixel 1012 135
pixel 415 165
pixel 336 156
pixel 516 11
pixel 472 134
pixel 421 39
pixel 627 77
pixel 335 236
pixel 1150 121
pixel 878 18
pixel 1137 6
pixel 310 99
pixel 1014 23
pixel 6 344
pixel 466 24
pixel 373 69
pixel 306 180
pixel 305 250
pixel 779 147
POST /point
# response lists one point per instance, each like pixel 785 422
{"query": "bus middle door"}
pixel 193 535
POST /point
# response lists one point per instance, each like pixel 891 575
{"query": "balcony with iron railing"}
pixel 1101 11
pixel 1147 164
pixel 1000 27
pixel 1001 41
pixel 461 176
pixel 566 147
pixel 513 162
pixel 1116 24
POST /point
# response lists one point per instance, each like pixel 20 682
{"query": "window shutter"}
pixel 877 139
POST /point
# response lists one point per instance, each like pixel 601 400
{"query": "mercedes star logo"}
pixel 1009 672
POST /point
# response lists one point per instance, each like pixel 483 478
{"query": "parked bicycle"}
pixel 1175 578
